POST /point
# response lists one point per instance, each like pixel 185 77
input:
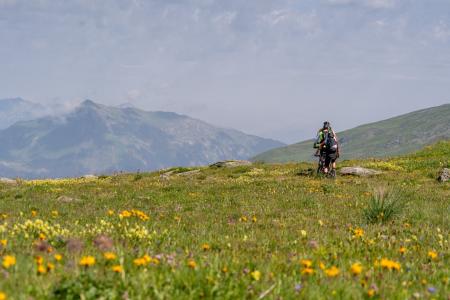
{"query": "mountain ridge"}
pixel 95 138
pixel 17 109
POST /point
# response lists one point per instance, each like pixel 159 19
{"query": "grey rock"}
pixel 8 181
pixel 188 173
pixel 67 199
pixel 313 244
pixel 89 176
pixel 231 163
pixel 444 175
pixel 358 171
pixel 168 174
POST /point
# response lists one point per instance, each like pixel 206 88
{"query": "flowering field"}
pixel 255 232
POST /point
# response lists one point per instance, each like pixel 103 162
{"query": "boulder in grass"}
pixel 168 174
pixel 444 175
pixel 67 199
pixel 8 181
pixel 189 173
pixel 231 163
pixel 358 171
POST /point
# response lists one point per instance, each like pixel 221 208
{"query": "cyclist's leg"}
pixel 327 163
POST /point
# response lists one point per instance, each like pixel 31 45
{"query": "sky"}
pixel 275 69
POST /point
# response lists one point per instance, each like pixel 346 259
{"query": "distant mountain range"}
pixel 13 110
pixel 95 138
pixel 398 135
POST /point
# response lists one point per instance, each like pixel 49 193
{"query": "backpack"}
pixel 330 142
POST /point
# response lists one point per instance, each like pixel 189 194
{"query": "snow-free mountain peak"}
pixel 95 138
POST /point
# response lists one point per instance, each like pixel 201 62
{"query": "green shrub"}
pixel 87 286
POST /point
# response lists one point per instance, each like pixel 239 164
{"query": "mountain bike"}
pixel 321 167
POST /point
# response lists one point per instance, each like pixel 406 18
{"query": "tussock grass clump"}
pixel 384 206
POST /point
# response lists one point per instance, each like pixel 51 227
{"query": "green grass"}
pixel 264 218
pixel 394 136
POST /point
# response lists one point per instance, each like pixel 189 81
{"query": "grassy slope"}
pixel 187 212
pixel 390 137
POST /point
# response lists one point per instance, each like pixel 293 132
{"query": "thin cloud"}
pixel 366 3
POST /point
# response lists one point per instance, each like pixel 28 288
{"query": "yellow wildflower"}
pixel 125 214
pixel 402 250
pixel 306 263
pixel 396 266
pixel 358 233
pixel 432 254
pixel 50 266
pixel 34 213
pixel 332 272
pixel 254 219
pixel 192 264
pixel 109 256
pixel 390 264
pixel 2 296
pixel 224 270
pixel 41 269
pixel 110 212
pixel 206 247
pixel 117 269
pixel 3 242
pixel 243 219
pixel 8 261
pixel 307 271
pixel 39 260
pixel 140 214
pixel 322 266
pixel 140 262
pixel 42 236
pixel 147 258
pixel 87 261
pixel 356 269
pixel 371 293
pixel 256 275
pixel 58 257
pixel 55 213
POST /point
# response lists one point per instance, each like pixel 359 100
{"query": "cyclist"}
pixel 327 146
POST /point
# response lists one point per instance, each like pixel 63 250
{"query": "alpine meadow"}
pixel 245 232
pixel 224 149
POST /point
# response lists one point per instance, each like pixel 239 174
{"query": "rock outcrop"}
pixel 444 175
pixel 8 181
pixel 358 171
pixel 231 163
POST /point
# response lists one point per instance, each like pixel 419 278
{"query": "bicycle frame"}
pixel 321 167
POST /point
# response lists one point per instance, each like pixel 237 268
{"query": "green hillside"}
pixel 399 135
pixel 262 231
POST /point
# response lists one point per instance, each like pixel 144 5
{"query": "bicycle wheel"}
pixel 332 173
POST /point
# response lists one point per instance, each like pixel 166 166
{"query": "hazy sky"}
pixel 271 68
